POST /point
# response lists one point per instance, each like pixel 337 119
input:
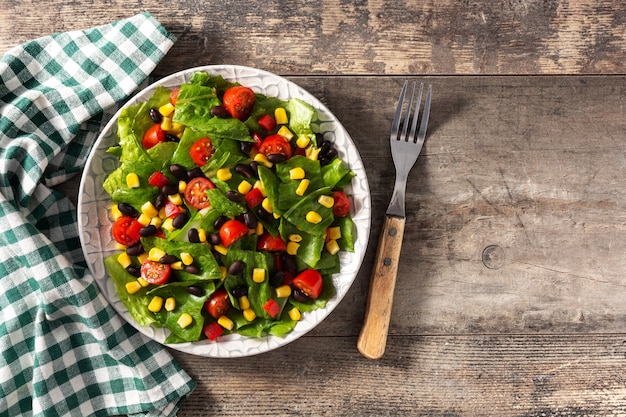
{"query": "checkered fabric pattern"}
pixel 63 349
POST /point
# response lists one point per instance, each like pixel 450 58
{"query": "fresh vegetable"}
pixel 231 209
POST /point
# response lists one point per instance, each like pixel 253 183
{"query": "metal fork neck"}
pixel 396 205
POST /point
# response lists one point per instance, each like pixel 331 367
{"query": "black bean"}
pixel 214 239
pixel 249 219
pixel 127 210
pixel 180 220
pixel 264 214
pixel 276 158
pixel 220 111
pixel 240 291
pixel 168 259
pixel 179 172
pixel 236 267
pixel 289 264
pixel 323 160
pixel 135 250
pixel 299 295
pixel 325 146
pixel 193 235
pixel 195 290
pixel 219 222
pixel 244 170
pixel 245 147
pixel 169 189
pixel 254 166
pixel 155 115
pixel 277 279
pixel 332 153
pixel 134 270
pixel 149 230
pixel 159 202
pixel 234 196
pixel 195 173
pixel 171 138
pixel 192 269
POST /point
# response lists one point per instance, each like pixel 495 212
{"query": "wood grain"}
pixel 356 38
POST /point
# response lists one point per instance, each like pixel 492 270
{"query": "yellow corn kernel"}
pixel 221 249
pixel 313 217
pixel 185 320
pixel 132 180
pixel 296 173
pixel 175 199
pixel 326 200
pixel 259 229
pixel 312 153
pixel 115 212
pixel 283 291
pixel 303 141
pixel 155 304
pixel 155 254
pixel 223 272
pixel 258 275
pixel 162 213
pixel 149 210
pixel 292 248
pixel 156 221
pixel 244 187
pixel 132 287
pixel 168 224
pixel 178 265
pixel 177 128
pixel 294 314
pixel 334 232
pixel 266 205
pixel 202 235
pixel 294 237
pixel 332 246
pixel 186 258
pixel 182 186
pixel 259 184
pixel 226 322
pixel 276 215
pixel 285 132
pixel 142 257
pixel 244 302
pixel 304 184
pixel 166 109
pixel 142 282
pixel 224 174
pixel 144 219
pixel 280 114
pixel 124 259
pixel 249 314
pixel 166 124
pixel 170 303
pixel 262 159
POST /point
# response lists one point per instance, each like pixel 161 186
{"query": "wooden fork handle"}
pixel 373 337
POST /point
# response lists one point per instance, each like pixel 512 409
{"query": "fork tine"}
pixel 416 115
pixel 405 126
pixel 422 133
pixel 395 125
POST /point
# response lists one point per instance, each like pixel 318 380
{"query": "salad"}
pixel 229 211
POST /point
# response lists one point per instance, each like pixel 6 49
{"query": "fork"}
pixel 405 148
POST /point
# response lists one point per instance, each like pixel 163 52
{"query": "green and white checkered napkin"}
pixel 63 349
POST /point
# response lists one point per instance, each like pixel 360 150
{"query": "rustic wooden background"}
pixel 510 297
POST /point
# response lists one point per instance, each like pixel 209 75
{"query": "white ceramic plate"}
pixel 95 223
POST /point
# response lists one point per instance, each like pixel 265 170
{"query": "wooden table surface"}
pixel 510 294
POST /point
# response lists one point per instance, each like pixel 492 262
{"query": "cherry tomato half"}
pixel 341 207
pixel 153 136
pixel 218 304
pixel 195 193
pixel 276 144
pixel 309 282
pixel 270 243
pixel 126 231
pixel 239 101
pixel 231 231
pixel 154 272
pixel 201 151
pixel 267 122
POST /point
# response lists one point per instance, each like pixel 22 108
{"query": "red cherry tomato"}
pixel 172 210
pixel 174 95
pixel 158 179
pixel 126 231
pixel 272 307
pixel 270 243
pixel 155 273
pixel 212 331
pixel 267 122
pixel 201 151
pixel 276 144
pixel 218 304
pixel 254 197
pixel 231 231
pixel 195 193
pixel 239 101
pixel 309 282
pixel 341 208
pixel 153 136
